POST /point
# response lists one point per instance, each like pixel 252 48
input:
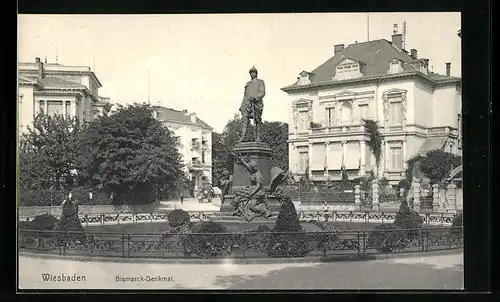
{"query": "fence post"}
pixel 128 245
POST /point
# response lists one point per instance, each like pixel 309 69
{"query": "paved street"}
pixel 430 272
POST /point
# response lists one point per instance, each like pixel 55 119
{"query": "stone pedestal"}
pixel 375 200
pixel 261 154
pixel 436 204
pixel 357 197
pixel 416 195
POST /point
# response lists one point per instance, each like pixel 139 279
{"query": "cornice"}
pixel 328 84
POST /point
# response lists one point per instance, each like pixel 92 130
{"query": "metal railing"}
pixel 240 245
pixel 365 215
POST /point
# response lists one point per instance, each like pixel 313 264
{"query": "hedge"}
pixel 387 238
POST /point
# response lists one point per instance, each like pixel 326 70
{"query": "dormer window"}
pixel 395 67
pixel 348 69
pixel 304 78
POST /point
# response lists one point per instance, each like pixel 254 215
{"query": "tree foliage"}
pixel 48 152
pixel 130 153
pixel 275 134
pixel 375 142
pixel 437 164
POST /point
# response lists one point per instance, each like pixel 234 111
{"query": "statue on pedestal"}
pixel 252 104
pixel 250 201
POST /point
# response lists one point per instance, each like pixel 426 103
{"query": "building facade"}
pixel 53 88
pixel 416 111
pixel 195 143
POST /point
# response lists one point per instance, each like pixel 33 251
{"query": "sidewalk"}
pixel 428 272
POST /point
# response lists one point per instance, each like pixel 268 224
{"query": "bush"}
pixel 456 225
pixel 387 238
pixel 43 222
pixel 69 226
pixel 205 242
pixel 30 198
pixel 177 239
pixel 408 220
pixel 256 240
pixel 293 244
pixel 177 218
pixel 325 241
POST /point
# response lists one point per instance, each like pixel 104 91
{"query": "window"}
pixel 395 117
pixel 303 120
pixel 346 113
pixel 303 161
pixel 395 158
pixel 330 117
pixel 41 107
pixel 203 156
pixel 68 109
pixel 459 131
pixel 363 112
pixel 54 107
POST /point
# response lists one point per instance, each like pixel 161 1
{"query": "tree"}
pixel 131 154
pixel 375 142
pixel 437 164
pixel 275 134
pixel 48 152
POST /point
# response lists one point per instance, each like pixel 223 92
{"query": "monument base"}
pixel 227 207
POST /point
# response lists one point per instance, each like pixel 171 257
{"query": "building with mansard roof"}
pixel 195 143
pixel 416 109
pixel 53 88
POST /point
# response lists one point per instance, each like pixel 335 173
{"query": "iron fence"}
pixel 240 245
pixel 364 215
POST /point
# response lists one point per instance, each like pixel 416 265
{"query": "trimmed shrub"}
pixel 293 244
pixel 205 242
pixel 408 219
pixel 387 238
pixel 177 218
pixel 69 227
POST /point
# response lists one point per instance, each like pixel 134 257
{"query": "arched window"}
pixel 346 113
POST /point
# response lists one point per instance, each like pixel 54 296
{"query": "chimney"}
pixel 338 48
pixel 185 111
pixel 193 117
pixel 414 53
pixel 39 67
pixel 448 65
pixel 397 40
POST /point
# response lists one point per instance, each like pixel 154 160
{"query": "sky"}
pixel 201 62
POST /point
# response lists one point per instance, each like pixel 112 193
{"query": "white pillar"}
pixel 435 196
pixel 357 191
pixel 327 144
pixel 375 194
pixel 310 153
pixel 416 195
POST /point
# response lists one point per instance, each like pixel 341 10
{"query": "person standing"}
pixel 182 197
pixel 252 104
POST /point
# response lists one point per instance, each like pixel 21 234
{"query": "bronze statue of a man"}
pixel 252 104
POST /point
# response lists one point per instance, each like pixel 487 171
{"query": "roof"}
pixel 172 115
pixel 375 57
pixel 60 83
pixel 431 144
